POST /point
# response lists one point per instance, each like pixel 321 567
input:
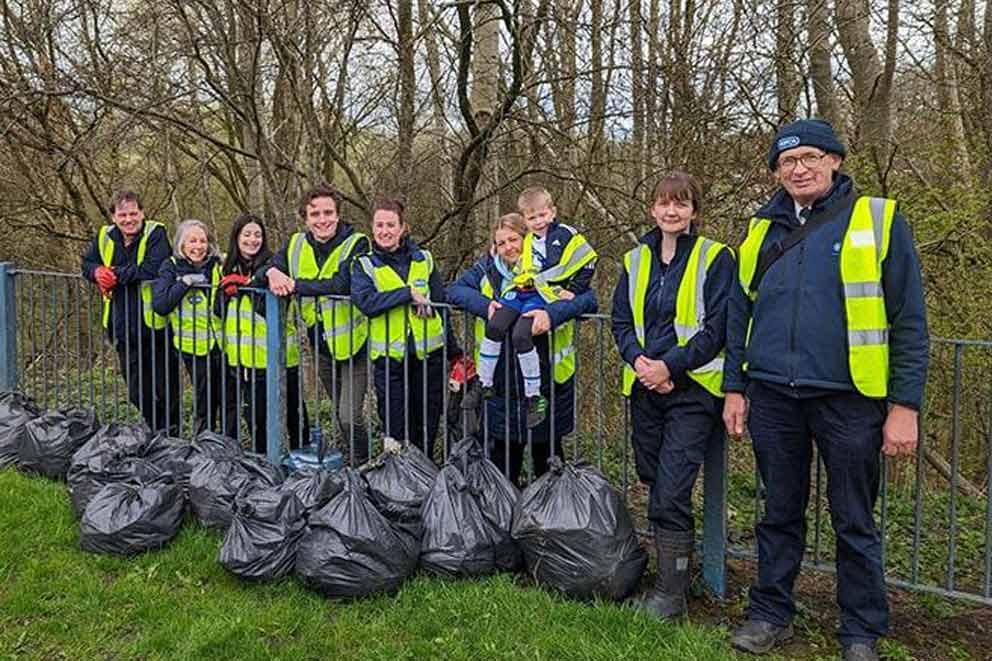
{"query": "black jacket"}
pixel 125 301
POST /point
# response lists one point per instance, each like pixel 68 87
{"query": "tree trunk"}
pixel 948 100
pixel 819 63
pixel 786 74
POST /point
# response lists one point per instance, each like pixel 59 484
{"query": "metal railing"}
pixel 934 512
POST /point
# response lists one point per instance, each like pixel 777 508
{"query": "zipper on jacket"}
pixel 795 318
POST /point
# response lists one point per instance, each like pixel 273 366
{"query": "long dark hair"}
pixel 234 259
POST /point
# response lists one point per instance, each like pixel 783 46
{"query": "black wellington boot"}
pixel 667 599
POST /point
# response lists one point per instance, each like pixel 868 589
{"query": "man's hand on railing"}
pixel 106 279
pixel 900 431
pixel 735 414
pixel 280 284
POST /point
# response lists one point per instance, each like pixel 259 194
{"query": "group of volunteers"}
pixel 811 330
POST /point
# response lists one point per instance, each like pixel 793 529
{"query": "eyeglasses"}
pixel 809 161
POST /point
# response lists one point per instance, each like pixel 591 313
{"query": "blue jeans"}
pixel 847 428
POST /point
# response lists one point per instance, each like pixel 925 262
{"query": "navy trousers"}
pixel 670 434
pixel 410 397
pixel 847 428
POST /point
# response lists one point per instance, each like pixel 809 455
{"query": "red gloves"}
pixel 106 279
pixel 230 283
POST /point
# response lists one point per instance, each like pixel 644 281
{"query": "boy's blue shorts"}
pixel 522 301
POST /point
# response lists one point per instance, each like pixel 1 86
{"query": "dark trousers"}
pixel 346 382
pixel 206 373
pixel 848 431
pixel 540 455
pixel 150 368
pixel 670 434
pixel 252 387
pixel 410 397
pixel 501 323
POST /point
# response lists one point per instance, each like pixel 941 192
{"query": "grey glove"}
pixel 191 279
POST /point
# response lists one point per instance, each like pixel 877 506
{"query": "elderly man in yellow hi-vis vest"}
pixel 826 340
pixel 123 260
pixel 315 265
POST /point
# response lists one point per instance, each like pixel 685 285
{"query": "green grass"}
pixel 57 601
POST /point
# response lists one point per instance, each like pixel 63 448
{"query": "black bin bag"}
pixel 458 540
pixel 496 496
pixel 213 444
pixel 350 549
pixel 131 516
pixel 216 481
pixel 113 454
pixel 16 410
pixel 265 531
pixel 576 534
pixel 174 455
pixel 398 482
pixel 49 441
pixel 313 487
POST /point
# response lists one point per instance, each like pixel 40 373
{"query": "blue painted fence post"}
pixel 275 376
pixel 8 328
pixel 715 514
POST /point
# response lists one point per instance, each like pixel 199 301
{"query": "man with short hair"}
pixel 122 260
pixel 826 340
pixel 316 265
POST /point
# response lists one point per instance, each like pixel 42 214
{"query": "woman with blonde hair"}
pixel 185 291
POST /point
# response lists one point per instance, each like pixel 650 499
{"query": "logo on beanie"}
pixel 788 142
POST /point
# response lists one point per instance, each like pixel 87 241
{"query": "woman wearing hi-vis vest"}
pixel 184 291
pixel 243 315
pixel 393 286
pixel 669 322
pixel 506 411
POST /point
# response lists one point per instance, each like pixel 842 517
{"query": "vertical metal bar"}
pixel 445 386
pixel 275 377
pixel 507 373
pixel 91 359
pixel 386 361
pixel 424 392
pixel 78 313
pixel 48 313
pixel 551 393
pixel 988 508
pixel 918 497
pixel 715 512
pixel 8 328
pixel 955 459
pixel 179 357
pixel 575 392
pixel 600 404
pixel 32 382
pixel 625 445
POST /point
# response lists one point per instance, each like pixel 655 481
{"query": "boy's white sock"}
pixel 489 352
pixel 530 367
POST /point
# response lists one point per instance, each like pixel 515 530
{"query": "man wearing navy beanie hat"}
pixel 826 342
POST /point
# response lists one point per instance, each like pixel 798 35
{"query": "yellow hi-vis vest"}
pixel 245 335
pixel 690 307
pixel 562 340
pixel 345 327
pixel 577 254
pixel 390 329
pixel 106 246
pixel 864 248
pixel 195 327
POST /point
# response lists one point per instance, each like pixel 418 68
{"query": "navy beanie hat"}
pixel 810 132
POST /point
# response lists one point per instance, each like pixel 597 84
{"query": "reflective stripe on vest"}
pixel 562 337
pixel 345 327
pixel 245 343
pixel 864 248
pixel 690 307
pixel 388 332
pixel 106 246
pixel 195 327
pixel 577 254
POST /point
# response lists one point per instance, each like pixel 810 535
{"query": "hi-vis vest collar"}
pixel 195 326
pixel 105 244
pixel 577 254
pixel 690 306
pixel 863 250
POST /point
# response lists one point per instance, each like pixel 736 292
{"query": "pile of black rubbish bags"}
pixel 346 534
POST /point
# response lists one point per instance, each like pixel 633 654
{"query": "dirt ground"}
pixel 922 627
